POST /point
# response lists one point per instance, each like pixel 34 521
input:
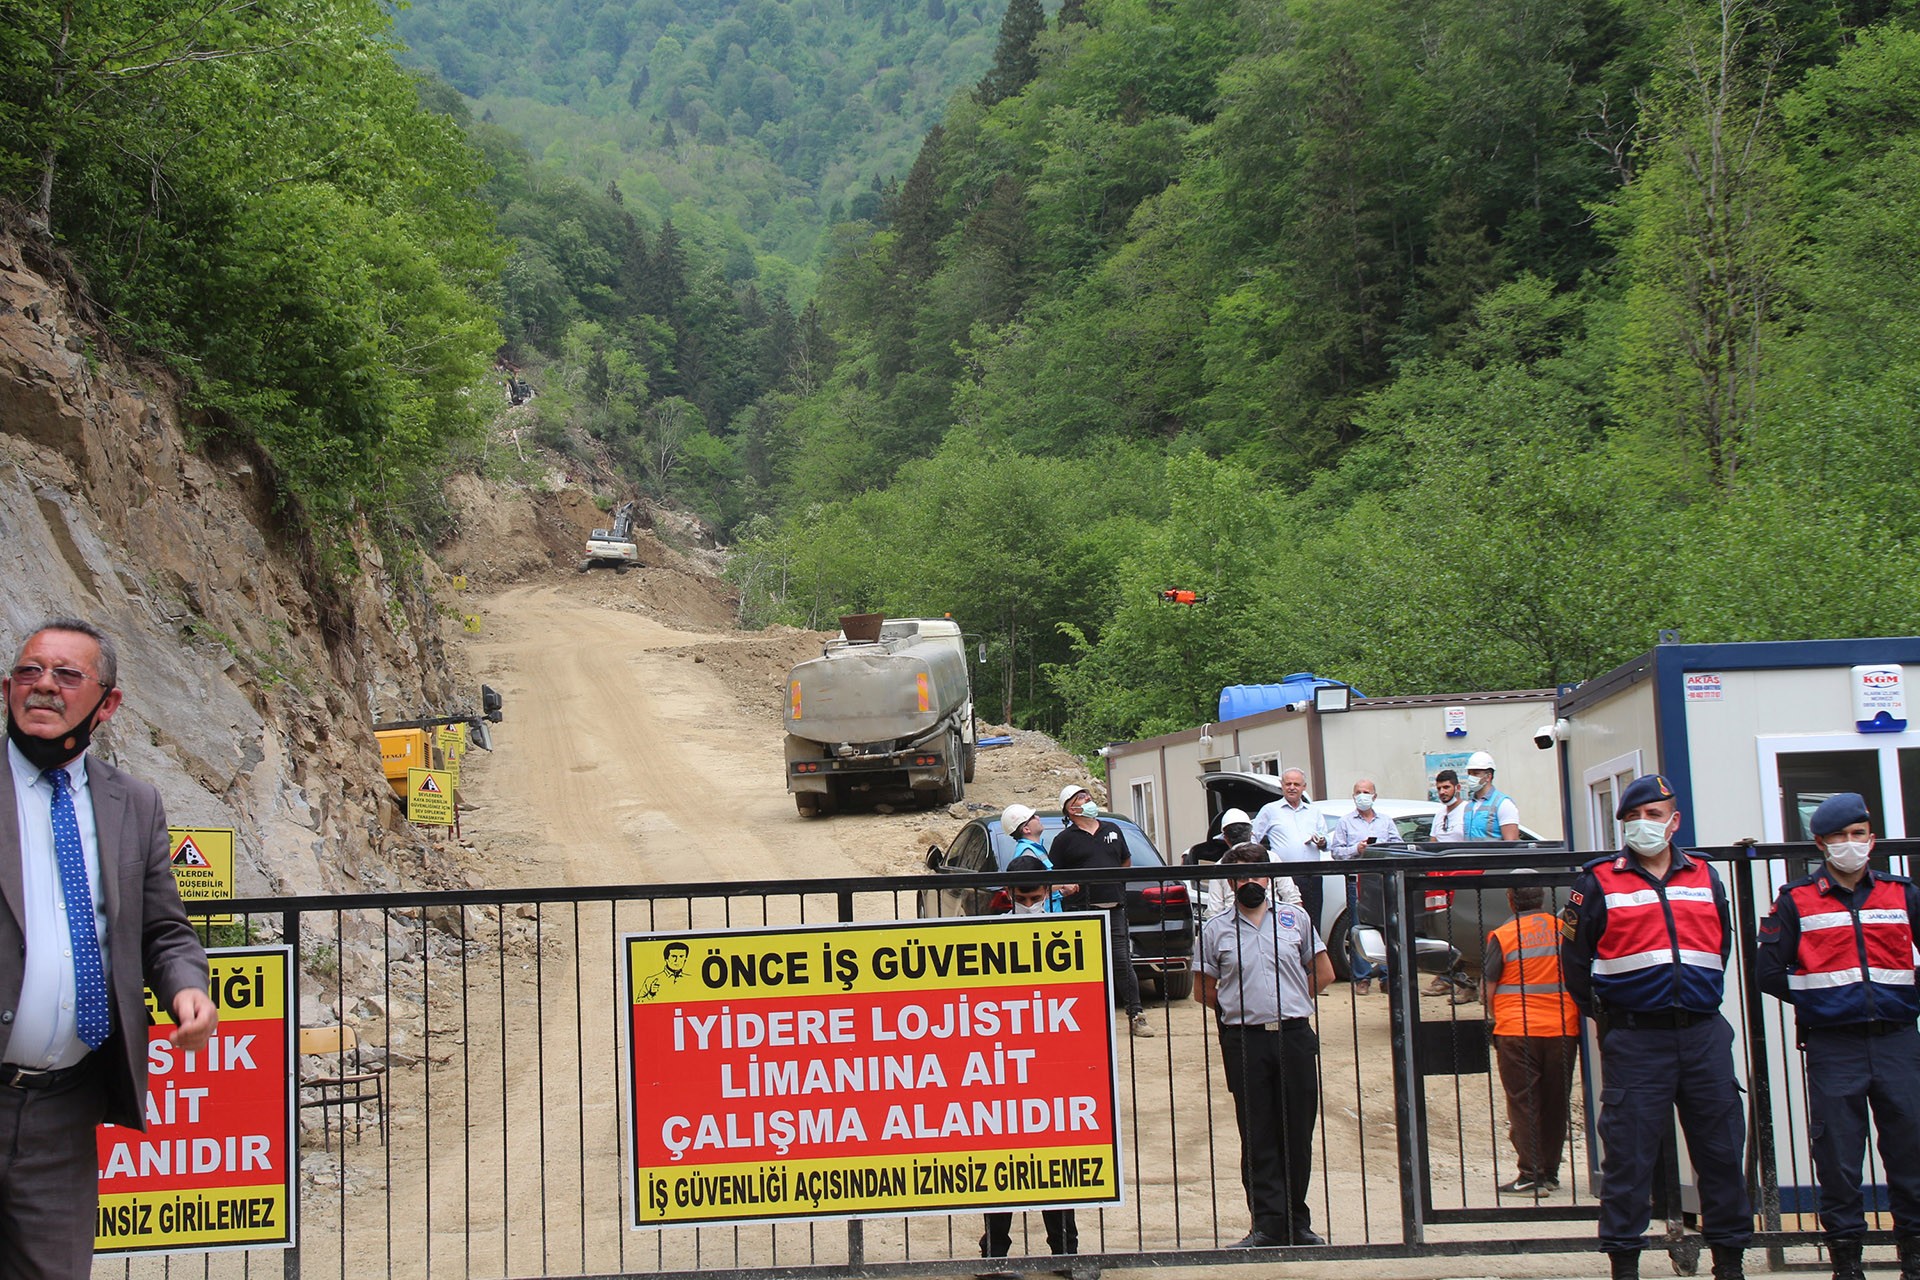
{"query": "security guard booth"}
pixel 1752 737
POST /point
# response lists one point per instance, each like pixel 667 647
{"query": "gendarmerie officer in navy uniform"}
pixel 1839 947
pixel 1647 935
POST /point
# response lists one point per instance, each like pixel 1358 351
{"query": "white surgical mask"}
pixel 1363 801
pixel 1646 836
pixel 1030 908
pixel 1848 857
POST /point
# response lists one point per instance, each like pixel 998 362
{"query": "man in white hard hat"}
pixel 1022 823
pixel 1488 814
pixel 1491 813
pixel 1088 844
pixel 1216 896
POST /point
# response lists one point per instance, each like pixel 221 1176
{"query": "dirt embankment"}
pixel 251 680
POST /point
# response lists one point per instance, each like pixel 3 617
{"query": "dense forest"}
pixel 1434 347
pixel 1431 347
pixel 753 125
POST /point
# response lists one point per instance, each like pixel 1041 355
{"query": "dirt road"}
pixel 625 761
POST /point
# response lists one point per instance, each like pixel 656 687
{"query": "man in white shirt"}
pixel 1450 823
pixel 1295 831
pixel 1449 826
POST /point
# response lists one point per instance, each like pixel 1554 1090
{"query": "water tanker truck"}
pixel 885 712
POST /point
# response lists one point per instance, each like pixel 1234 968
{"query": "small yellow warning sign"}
pixel 452 741
pixel 459 581
pixel 430 797
pixel 202 859
pixel 471 621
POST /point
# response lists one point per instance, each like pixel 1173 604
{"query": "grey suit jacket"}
pixel 144 919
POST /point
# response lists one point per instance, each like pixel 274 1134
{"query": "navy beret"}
pixel 1645 789
pixel 1836 813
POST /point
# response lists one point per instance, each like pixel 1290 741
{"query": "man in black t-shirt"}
pixel 1088 844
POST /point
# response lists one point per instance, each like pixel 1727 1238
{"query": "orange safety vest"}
pixel 1530 998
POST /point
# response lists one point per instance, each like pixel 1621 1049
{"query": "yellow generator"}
pixel 404 749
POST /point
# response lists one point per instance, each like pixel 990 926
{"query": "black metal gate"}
pixel 492 1022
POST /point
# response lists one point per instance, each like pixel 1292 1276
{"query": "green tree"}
pixel 1014 61
pixel 1707 239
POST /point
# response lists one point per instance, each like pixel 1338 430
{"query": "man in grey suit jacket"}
pixel 73 1020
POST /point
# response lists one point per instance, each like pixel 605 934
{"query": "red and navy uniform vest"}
pixel 1662 947
pixel 1855 962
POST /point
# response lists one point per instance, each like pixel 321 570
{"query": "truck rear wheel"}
pixel 808 803
pixel 956 770
pixel 967 775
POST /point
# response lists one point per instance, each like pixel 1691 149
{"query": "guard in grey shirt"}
pixel 1260 967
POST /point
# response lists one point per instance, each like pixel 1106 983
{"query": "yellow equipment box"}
pixel 404 749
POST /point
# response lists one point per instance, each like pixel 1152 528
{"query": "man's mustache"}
pixel 46 702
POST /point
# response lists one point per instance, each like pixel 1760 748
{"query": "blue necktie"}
pixel 90 982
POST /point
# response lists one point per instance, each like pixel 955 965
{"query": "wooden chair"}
pixel 344 1088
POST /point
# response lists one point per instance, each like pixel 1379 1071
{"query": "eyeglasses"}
pixel 29 673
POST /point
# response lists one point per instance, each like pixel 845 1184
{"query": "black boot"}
pixel 1727 1262
pixel 1910 1258
pixel 1846 1259
pixel 1626 1264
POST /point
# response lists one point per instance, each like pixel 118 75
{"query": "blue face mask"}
pixel 1089 810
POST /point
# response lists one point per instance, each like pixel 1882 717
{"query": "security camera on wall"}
pixel 1547 734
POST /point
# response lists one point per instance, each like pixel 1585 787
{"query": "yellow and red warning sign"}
pixel 202 859
pixel 934 1066
pixel 430 797
pixel 215 1167
pixel 452 741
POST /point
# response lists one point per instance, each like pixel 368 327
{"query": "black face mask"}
pixel 1251 894
pixel 51 753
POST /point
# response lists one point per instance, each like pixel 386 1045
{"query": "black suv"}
pixel 1160 915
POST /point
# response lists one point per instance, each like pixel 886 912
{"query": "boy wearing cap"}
pixel 1646 935
pixel 1087 843
pixel 1839 947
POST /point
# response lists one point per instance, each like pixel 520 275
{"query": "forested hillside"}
pixel 753 124
pixel 1436 347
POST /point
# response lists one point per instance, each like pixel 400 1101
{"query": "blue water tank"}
pixel 1238 700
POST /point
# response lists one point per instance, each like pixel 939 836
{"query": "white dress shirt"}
pixel 1286 829
pixel 46 1027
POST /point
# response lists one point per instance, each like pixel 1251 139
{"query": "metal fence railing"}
pixel 494 1021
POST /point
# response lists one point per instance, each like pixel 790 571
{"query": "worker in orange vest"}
pixel 1536 1033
